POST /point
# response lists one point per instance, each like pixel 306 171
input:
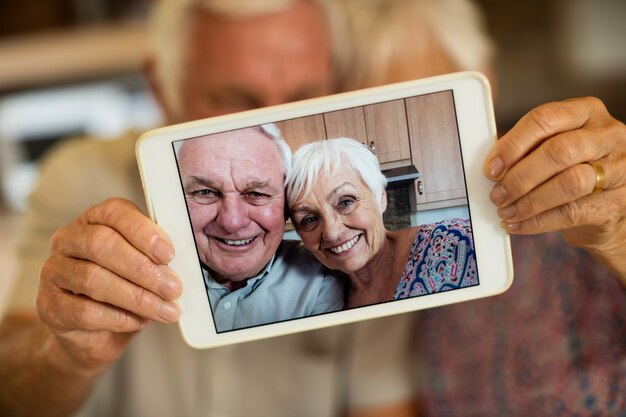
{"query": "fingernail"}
pixel 169 312
pixel 498 195
pixel 507 212
pixel 162 251
pixel 495 167
pixel 170 287
pixel 513 226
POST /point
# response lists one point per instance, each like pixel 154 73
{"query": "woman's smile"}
pixel 339 249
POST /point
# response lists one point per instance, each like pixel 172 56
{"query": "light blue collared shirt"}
pixel 293 284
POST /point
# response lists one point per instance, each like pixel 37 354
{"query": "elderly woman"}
pixel 336 194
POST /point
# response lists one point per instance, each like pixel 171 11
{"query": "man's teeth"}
pixel 345 246
pixel 238 242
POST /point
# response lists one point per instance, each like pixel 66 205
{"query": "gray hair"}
pixel 325 157
pixel 380 29
pixel 269 130
pixel 170 23
pixel 273 132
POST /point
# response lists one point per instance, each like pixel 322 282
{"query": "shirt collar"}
pixel 252 282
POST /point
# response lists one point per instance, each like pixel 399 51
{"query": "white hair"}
pixel 269 130
pixel 325 157
pixel 170 30
pixel 382 29
pixel 273 132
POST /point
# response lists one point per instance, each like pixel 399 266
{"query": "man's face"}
pixel 234 187
pixel 234 65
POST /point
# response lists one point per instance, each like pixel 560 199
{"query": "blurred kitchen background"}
pixel 73 67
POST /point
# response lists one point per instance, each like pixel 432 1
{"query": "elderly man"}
pixel 99 345
pixel 106 278
pixel 233 183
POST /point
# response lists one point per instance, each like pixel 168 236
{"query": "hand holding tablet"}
pixel 216 187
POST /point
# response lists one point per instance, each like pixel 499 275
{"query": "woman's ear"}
pixel 383 202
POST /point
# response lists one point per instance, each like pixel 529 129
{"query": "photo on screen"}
pixel 375 211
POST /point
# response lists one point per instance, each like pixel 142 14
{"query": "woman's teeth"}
pixel 345 246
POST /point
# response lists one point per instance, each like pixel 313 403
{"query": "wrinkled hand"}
pixel 106 278
pixel 544 183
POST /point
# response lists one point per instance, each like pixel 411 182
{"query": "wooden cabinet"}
pixel 300 131
pixel 419 130
pixel 348 123
pixel 387 131
pixel 435 151
pixel 381 126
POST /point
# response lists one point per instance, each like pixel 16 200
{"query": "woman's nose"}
pixel 332 228
pixel 232 214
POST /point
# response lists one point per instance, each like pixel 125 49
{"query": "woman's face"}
pixel 340 221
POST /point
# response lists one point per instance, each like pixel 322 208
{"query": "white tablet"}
pixel 217 189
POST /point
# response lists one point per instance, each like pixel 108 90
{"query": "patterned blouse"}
pixel 442 258
pixel 553 345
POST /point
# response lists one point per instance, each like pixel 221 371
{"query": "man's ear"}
pixel 383 202
pixel 149 68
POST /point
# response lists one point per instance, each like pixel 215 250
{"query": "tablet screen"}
pixel 337 242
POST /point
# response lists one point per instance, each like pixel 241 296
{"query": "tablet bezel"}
pixel 166 203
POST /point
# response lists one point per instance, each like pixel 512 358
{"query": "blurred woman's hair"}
pixel 170 22
pixel 386 34
pixel 324 157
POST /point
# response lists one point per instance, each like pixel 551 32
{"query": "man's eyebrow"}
pixel 257 184
pixel 234 90
pixel 262 185
pixel 195 180
pixel 306 92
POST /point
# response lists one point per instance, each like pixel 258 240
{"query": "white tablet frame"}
pixel 166 203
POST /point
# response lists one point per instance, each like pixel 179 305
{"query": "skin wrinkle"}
pixel 61 398
pixel 232 214
pixel 74 359
pixel 291 61
pixel 370 262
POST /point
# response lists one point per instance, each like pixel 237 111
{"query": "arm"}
pixel 27 355
pixel 544 183
pixel 105 279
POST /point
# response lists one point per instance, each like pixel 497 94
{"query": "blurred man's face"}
pixel 234 65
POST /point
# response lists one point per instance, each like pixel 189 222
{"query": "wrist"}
pixel 606 243
pixel 62 363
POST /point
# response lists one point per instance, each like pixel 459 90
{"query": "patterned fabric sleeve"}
pixel 442 258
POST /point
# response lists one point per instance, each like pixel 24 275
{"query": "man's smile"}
pixel 236 242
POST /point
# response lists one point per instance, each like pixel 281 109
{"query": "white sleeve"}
pixel 74 176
